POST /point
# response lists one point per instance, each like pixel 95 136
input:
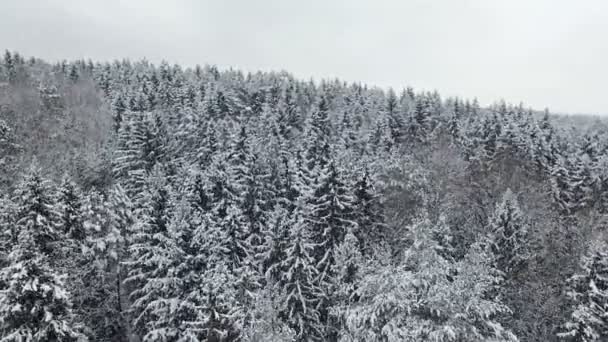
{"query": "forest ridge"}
pixel 157 203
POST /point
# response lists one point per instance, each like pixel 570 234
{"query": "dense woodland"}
pixel 157 203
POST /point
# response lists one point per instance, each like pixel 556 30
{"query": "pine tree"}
pixel 422 300
pixel 588 292
pixel 214 288
pixel 317 137
pixel 70 208
pixel 9 65
pixel 169 314
pixel 74 74
pixel 331 215
pixel 148 258
pixel 7 220
pixel 97 289
pixel 297 284
pixel 250 181
pixel 454 125
pixel 368 215
pixel 142 144
pixel 37 210
pixel 561 190
pixel 419 125
pixel 118 109
pixel 347 273
pixel 35 305
pixel 395 121
pixel 510 235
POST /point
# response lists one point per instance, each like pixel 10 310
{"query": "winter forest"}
pixel 159 203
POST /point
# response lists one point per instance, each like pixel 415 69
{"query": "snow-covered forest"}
pixel 160 203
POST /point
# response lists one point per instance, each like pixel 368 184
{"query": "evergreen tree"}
pixel 36 210
pixel 214 289
pixel 169 316
pixel 142 144
pixel 419 125
pixel 588 292
pixel 102 298
pixel 368 214
pixel 35 305
pixel 510 235
pixel 70 209
pixel 9 65
pixel 420 300
pixel 74 74
pixel 298 284
pixel 118 109
pixel 148 257
pixel 331 216
pixel 317 137
pixel 395 121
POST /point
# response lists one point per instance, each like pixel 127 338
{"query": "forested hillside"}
pixel 158 203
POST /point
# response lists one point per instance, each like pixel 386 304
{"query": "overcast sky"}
pixel 546 53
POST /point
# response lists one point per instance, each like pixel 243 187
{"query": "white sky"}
pixel 546 53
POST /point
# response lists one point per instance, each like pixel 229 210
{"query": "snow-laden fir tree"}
pixel 142 144
pixel 266 325
pixel 368 214
pixel 171 315
pixel 34 305
pixel 213 288
pixel 298 283
pixel 148 258
pixel 330 215
pixel 588 292
pixel 317 137
pixel 37 210
pixel 421 299
pixel 99 299
pixel 509 231
pixel 70 205
pixel 396 122
pixel 346 275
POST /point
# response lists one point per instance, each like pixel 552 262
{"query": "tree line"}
pixel 148 202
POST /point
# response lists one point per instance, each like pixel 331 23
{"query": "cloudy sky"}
pixel 546 53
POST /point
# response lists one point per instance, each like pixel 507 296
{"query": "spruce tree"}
pixel 588 292
pixel 422 300
pixel 148 259
pixel 298 283
pixel 368 213
pixel 510 235
pixel 99 296
pixel 35 305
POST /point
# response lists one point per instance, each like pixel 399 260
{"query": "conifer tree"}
pixel 169 314
pixel 588 292
pixel 368 214
pixel 510 234
pixel 147 255
pixel 70 209
pixel 331 215
pixel 35 305
pixel 318 135
pixel 420 300
pixel 298 284
pixel 118 109
pixel 74 74
pixel 395 121
pixel 347 274
pixel 99 297
pixel 214 288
